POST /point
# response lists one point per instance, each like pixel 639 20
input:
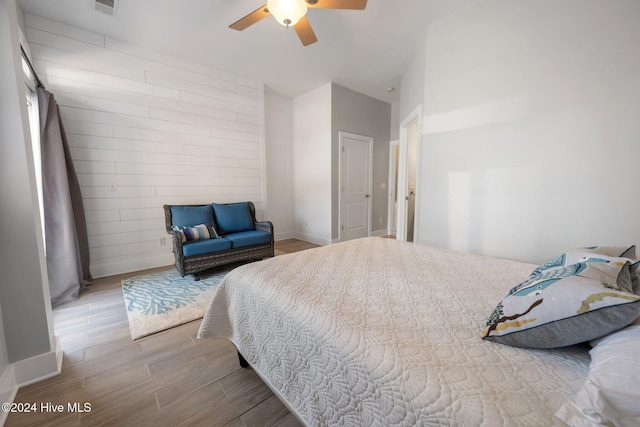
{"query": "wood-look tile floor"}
pixel 167 379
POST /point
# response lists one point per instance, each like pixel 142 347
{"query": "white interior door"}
pixel 355 186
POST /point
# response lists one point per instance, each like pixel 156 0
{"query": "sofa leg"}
pixel 243 361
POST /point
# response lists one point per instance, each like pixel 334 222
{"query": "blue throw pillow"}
pixel 193 234
pixel 191 215
pixel 233 218
pixel 198 232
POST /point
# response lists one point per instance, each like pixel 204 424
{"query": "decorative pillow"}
pixel 606 254
pixel 197 232
pixel 614 251
pixel 233 218
pixel 623 252
pixel 564 306
pixel 611 395
pixel 191 215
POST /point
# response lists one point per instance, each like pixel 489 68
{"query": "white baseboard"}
pixel 166 259
pixel 312 239
pixel 375 233
pixel 40 367
pixel 29 371
pixel 284 236
pixel 8 390
pixel 381 232
pixel 136 264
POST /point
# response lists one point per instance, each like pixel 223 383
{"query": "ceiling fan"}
pixel 293 13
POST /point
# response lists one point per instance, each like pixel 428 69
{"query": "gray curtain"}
pixel 67 244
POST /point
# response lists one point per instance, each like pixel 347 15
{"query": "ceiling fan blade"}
pixel 338 4
pixel 255 16
pixel 306 34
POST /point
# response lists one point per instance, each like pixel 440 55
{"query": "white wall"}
pixel 146 129
pixel 279 156
pixel 312 165
pixel 531 127
pixel 412 85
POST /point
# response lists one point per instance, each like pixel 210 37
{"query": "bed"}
pixel 381 332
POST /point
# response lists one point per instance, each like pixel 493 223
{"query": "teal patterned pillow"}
pixel 614 251
pixel 608 254
pixel 563 306
pixel 195 233
pixel 623 252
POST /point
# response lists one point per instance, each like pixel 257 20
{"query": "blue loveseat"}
pixel 207 236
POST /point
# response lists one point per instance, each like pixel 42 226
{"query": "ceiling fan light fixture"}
pixel 287 12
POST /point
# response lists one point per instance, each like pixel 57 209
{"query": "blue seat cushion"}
pixel 233 218
pixel 248 238
pixel 204 247
pixel 191 215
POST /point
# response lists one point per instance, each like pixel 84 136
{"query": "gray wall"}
pixel 6 55
pixel 25 304
pixel 395 121
pixel 356 113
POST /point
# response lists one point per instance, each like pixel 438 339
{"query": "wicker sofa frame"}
pixel 198 263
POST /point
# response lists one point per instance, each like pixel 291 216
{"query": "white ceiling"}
pixel 363 50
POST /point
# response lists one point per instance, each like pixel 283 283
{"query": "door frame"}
pixel 391 185
pixel 368 139
pixel 403 175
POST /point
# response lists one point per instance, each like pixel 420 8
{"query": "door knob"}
pixel 367 196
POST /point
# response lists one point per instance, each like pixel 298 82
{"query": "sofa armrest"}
pixel 167 218
pixel 177 241
pixel 265 226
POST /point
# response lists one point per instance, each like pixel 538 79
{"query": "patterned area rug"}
pixel 163 300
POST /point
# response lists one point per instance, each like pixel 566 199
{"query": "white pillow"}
pixel 611 393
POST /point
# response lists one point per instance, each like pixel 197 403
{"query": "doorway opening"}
pixel 408 176
pixel 392 204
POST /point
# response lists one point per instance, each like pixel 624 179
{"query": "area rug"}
pixel 163 300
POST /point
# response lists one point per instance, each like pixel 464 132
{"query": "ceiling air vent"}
pixel 108 7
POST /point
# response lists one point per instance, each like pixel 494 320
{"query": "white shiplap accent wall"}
pixel 145 130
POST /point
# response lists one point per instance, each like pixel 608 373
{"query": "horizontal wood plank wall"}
pixel 146 129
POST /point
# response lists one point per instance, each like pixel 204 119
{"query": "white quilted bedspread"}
pixel 378 332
